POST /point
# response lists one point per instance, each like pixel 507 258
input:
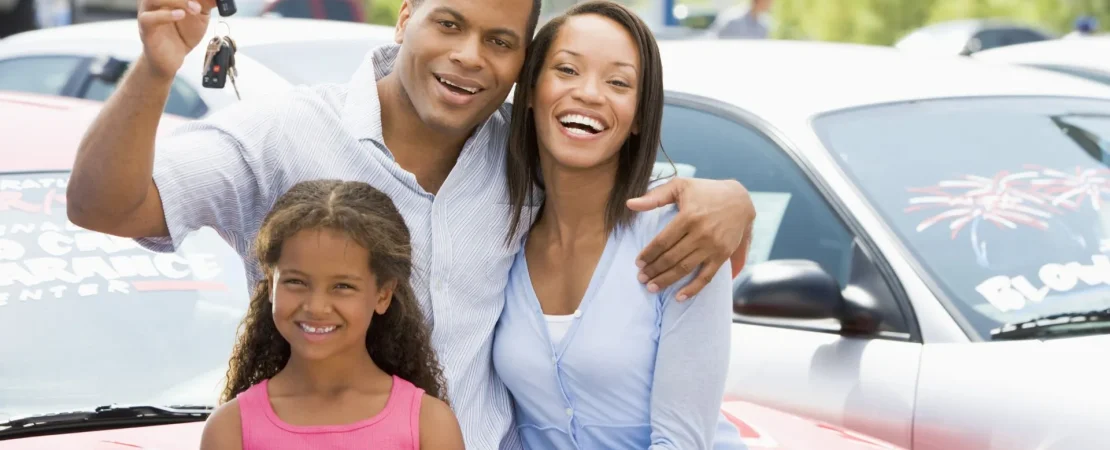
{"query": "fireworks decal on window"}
pixel 1007 200
pixel 1073 189
pixel 1011 200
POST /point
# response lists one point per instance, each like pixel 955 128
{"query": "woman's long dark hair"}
pixel 398 341
pixel 637 156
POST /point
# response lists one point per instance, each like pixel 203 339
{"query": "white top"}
pixel 557 326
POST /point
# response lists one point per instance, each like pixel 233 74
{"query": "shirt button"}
pixel 554 359
pixel 577 313
pixel 570 412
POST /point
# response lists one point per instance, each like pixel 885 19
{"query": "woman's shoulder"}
pixel 648 224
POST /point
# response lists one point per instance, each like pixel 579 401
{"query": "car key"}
pixel 209 54
pixel 226 7
pixel 215 71
pixel 232 70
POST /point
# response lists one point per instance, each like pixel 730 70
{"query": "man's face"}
pixel 460 58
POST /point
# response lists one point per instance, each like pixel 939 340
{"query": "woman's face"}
pixel 325 295
pixel 586 96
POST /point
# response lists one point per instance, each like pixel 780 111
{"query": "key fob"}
pixel 226 7
pixel 215 75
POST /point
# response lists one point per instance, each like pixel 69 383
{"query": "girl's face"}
pixel 586 96
pixel 325 295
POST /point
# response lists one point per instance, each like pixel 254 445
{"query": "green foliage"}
pixel 382 12
pixel 883 22
pixel 880 22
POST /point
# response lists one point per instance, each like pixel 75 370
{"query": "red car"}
pixel 121 348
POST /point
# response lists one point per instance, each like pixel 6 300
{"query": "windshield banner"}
pixel 43 255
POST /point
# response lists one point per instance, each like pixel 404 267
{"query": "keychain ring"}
pixel 228 27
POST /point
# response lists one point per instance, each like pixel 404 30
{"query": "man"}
pixel 424 121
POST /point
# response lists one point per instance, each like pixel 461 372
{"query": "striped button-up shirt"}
pixel 227 170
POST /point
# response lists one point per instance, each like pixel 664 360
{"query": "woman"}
pixel 594 360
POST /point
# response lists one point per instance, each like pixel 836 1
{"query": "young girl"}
pixel 334 351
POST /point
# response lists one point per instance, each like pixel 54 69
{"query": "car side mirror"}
pixel 802 290
pixel 788 289
pixel 108 69
pixel 973 45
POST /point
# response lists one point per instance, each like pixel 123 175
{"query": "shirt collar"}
pixel 362 112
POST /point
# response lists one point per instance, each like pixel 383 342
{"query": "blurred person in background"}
pixel 17 16
pixel 1084 26
pixel 744 22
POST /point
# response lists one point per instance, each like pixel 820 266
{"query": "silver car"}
pixel 88 60
pixel 931 260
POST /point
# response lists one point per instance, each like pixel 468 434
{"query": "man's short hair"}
pixel 533 19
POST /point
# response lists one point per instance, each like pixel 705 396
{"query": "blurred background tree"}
pixel 880 22
pixel 883 22
pixel 382 12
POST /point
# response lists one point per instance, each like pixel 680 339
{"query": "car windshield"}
pixel 88 319
pixel 332 61
pixel 1003 202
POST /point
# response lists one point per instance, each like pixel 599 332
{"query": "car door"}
pixel 806 367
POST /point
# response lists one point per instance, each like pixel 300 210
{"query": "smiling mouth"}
pixel 317 330
pixel 581 125
pixel 463 90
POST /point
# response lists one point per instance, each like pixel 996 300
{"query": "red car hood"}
pixel 764 428
pixel 161 437
pixel 761 428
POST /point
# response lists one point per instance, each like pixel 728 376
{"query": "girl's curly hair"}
pixel 398 341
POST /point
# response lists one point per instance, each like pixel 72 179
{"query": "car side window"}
pixel 793 220
pixel 1002 37
pixel 339 10
pixel 294 8
pixel 38 74
pixel 184 101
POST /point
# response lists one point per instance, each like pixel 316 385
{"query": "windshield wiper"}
pixel 101 417
pixel 1066 324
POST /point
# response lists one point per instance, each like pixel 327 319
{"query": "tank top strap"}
pixel 253 405
pixel 407 407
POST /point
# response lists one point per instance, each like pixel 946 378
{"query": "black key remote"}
pixel 226 7
pixel 215 75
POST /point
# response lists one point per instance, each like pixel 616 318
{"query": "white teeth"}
pixel 467 89
pixel 582 120
pixel 315 330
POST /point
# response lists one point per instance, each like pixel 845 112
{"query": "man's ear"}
pixel 403 17
pixel 385 297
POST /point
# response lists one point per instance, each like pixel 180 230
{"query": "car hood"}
pixel 184 436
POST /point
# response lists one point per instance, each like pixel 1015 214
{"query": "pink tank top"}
pixel 396 427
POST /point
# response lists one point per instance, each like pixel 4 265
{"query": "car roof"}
pixel 972 25
pixel 41 133
pixel 246 31
pixel 795 80
pixel 1081 52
